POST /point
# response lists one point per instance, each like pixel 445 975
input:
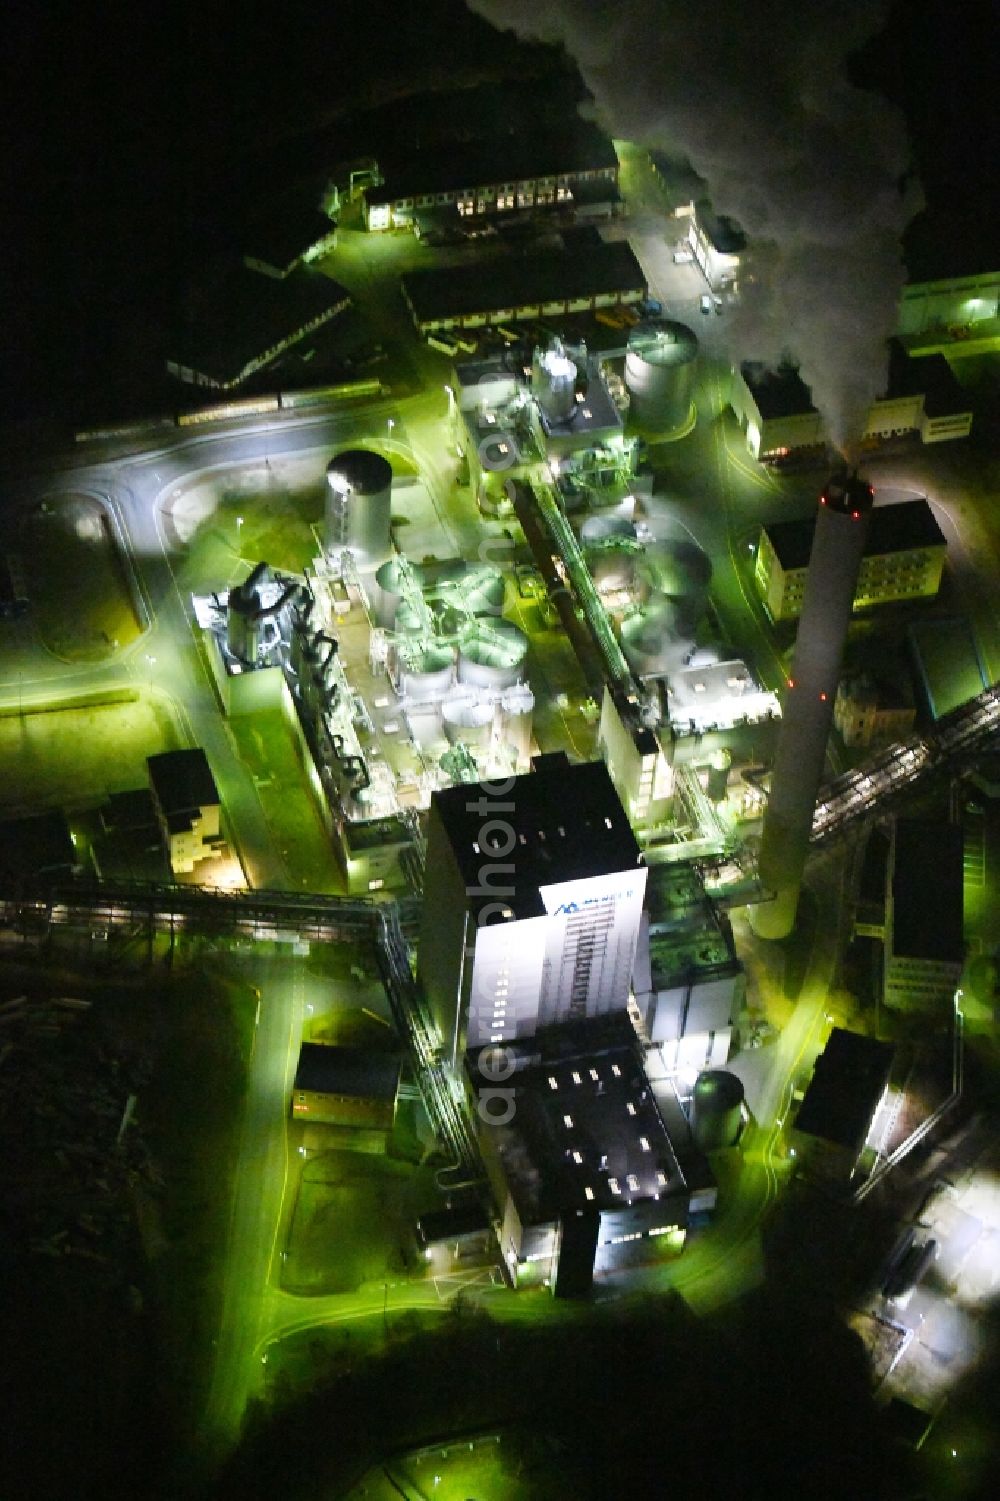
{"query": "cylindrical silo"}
pixel 426 670
pixel 611 565
pixel 516 709
pixel 807 710
pixel 392 580
pixel 683 574
pixel 359 504
pixel 467 721
pixel 491 654
pixel 716 1109
pixel 553 382
pixel 660 366
pixel 652 641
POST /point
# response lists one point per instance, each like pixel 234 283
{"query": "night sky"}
pixel 137 135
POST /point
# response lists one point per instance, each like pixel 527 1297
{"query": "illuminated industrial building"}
pixel 807 712
pixel 903 560
pixel 187 805
pixel 716 242
pixel 343 1086
pixel 238 320
pixel 689 985
pixel 870 711
pixel 524 171
pixel 585 1176
pixel 959 311
pixel 923 942
pixel 537 286
pixel 841 1104
pixel 923 400
pixel 532 904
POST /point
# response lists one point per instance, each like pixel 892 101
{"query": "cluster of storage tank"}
pixel 450 646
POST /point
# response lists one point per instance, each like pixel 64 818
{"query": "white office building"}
pixel 532 904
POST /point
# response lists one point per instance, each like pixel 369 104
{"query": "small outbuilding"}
pixel 338 1086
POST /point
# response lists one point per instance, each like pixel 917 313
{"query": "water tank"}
pixel 491 654
pixel 516 708
pixel 611 567
pixel 467 721
pixel 359 504
pixel 390 586
pixel 426 670
pixel 683 574
pixel 482 590
pixel 553 382
pixel 652 640
pixel 660 365
pixel 716 1109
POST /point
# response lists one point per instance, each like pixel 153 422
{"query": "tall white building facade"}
pixel 532 905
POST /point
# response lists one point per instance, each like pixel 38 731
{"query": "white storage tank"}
pixel 426 670
pixel 653 642
pixel 516 709
pixel 468 721
pixel 391 581
pixel 553 382
pixel 611 566
pixel 491 654
pixel 660 365
pixel 359 504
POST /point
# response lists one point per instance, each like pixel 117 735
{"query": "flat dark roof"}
pixel 725 234
pixel 182 780
pixel 847 1085
pixel 778 393
pixel 580 1090
pixel 512 282
pixel 783 392
pixel 282 231
pixel 236 315
pixel 513 157
pixel 894 528
pixel 567 820
pixel 927 890
pixel 324 1069
pixel 35 846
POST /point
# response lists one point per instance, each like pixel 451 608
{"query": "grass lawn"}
pixel 351 1215
pixel 265 744
pixel 476 1469
pixel 75 757
pixel 81 601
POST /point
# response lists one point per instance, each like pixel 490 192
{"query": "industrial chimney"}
pixel 807 712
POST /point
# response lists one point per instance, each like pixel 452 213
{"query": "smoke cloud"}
pixel 816 170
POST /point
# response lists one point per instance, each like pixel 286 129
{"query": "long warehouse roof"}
pixel 511 283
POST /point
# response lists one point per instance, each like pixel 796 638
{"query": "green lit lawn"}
pixel 493 1467
pixel 265 744
pixel 352 1218
pixel 81 603
pixel 75 757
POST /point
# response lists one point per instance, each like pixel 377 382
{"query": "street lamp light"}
pixel 391 424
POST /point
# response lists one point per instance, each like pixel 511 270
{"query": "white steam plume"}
pixel 815 170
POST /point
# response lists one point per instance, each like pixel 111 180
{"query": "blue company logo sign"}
pixel 591 901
